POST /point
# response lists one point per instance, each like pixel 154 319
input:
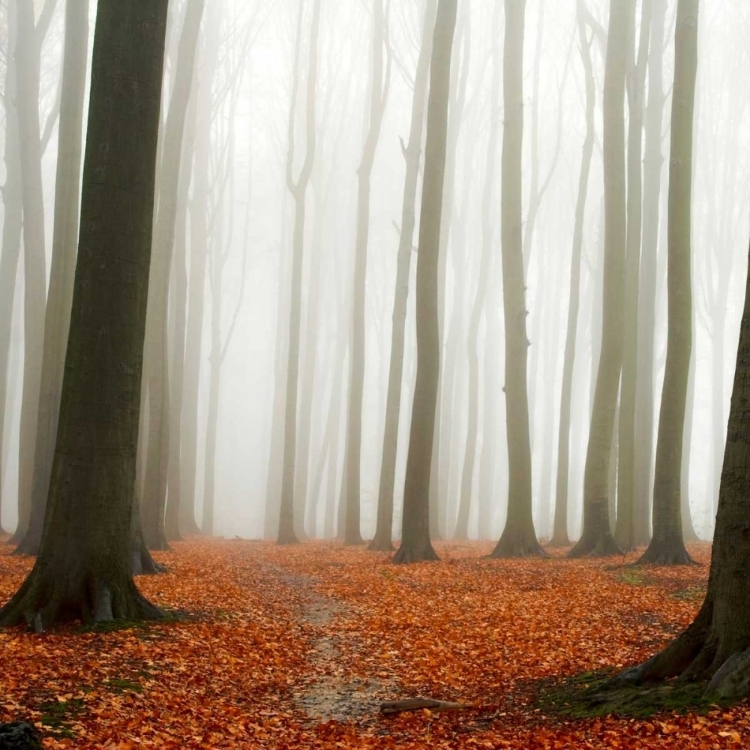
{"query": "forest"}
pixel 374 374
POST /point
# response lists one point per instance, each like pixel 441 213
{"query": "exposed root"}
pixel 518 545
pixel 732 680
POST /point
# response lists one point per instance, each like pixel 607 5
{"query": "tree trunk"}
pixel 518 538
pixel 415 530
pixel 379 86
pixel 625 530
pixel 28 51
pixel 298 190
pixel 412 155
pixel 155 354
pixel 64 248
pixel 83 568
pixel 12 226
pixel 667 546
pixel 597 538
pixel 560 536
pixel 652 166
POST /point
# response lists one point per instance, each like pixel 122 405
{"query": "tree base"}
pixel 287 538
pixel 143 564
pixel 597 544
pixel 558 541
pixel 666 553
pixel 156 542
pixel 352 540
pixel 51 597
pixel 518 543
pixel 415 552
pixel 29 545
pixel 381 544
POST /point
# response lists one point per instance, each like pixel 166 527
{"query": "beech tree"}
pixel 83 568
pixel 597 537
pixel 64 247
pixel 667 545
pixel 518 537
pixel 415 529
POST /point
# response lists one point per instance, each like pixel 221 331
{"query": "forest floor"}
pixel 296 647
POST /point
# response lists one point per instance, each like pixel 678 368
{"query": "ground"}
pixel 296 647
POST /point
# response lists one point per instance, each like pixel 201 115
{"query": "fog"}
pixel 239 113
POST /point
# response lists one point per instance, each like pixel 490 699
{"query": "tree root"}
pixel 381 544
pixel 417 552
pixel 666 553
pixel 518 545
pixel 597 544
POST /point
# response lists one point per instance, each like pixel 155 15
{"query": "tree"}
pixel 597 538
pixel 298 189
pixel 412 155
pixel 560 527
pixel 155 354
pixel 64 247
pixel 83 567
pixel 379 86
pixel 716 646
pixel 415 529
pixel 518 537
pixel 667 545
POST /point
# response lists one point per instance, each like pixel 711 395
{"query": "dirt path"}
pixel 330 692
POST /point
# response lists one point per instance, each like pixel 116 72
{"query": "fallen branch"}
pixel 417 704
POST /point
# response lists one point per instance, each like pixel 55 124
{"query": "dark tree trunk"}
pixel 64 247
pixel 84 565
pixel 415 530
pixel 518 538
pixel 597 537
pixel 667 546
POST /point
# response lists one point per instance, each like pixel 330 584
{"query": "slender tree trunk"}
pixel 83 568
pixel 518 537
pixel 298 189
pixel 597 538
pixel 412 155
pixel 667 546
pixel 64 248
pixel 379 86
pixel 688 530
pixel 415 533
pixel 28 61
pixel 652 166
pixel 12 226
pixel 560 536
pixel 155 354
pixel 625 531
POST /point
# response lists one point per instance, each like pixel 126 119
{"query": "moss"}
pixel 57 717
pixel 123 685
pixel 596 694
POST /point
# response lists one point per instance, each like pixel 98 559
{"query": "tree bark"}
pixel 298 189
pixel 415 530
pixel 83 568
pixel 62 273
pixel 412 155
pixel 518 538
pixel 597 538
pixel 667 546
pixel 155 354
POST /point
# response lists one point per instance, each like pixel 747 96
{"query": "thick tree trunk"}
pixel 667 546
pixel 83 568
pixel 155 354
pixel 64 248
pixel 415 530
pixel 652 166
pixel 298 190
pixel 597 538
pixel 412 155
pixel 518 538
pixel 625 529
